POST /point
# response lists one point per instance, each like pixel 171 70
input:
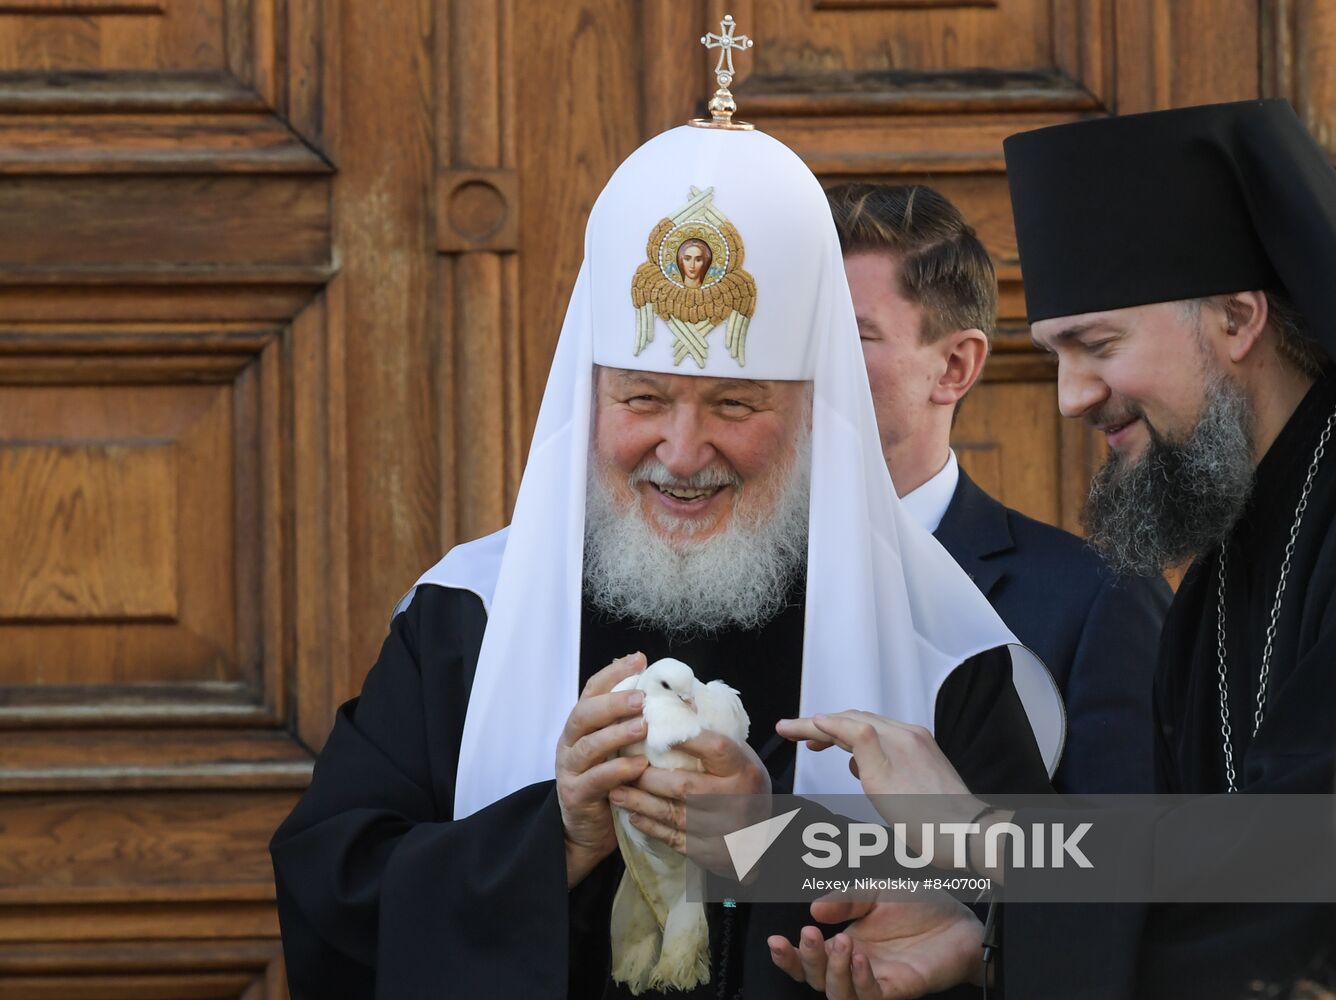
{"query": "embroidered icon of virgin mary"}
pixel 694 281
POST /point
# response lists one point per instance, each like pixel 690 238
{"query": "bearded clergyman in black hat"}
pixel 1179 267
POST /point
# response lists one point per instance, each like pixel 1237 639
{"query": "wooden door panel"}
pixel 105 36
pixel 138 846
pixel 65 499
pixel 806 37
pixel 244 969
pixel 187 751
pixel 1008 437
pixel 142 226
pixel 215 50
pixel 106 503
pixel 923 88
pixel 210 411
pixel 175 85
pixel 279 285
pixel 186 545
pixel 1296 62
pixel 172 474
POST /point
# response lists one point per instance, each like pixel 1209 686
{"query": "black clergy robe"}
pixel 381 894
pixel 1218 951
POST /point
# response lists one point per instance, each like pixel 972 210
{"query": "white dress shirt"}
pixel 927 504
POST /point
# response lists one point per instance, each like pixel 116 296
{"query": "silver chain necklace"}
pixel 1226 733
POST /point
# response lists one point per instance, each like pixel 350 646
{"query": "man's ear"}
pixel 1245 318
pixel 963 354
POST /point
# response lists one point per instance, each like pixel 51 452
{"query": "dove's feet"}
pixel 634 961
pixel 684 961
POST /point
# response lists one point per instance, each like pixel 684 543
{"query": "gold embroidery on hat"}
pixel 694 281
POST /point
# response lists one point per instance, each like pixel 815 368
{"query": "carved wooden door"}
pixel 171 483
pixel 279 285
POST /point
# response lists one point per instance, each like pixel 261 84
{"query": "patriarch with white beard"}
pixel 458 837
pixel 663 570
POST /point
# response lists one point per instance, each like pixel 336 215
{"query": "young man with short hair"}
pixel 925 295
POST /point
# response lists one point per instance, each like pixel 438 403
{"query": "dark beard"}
pixel 1180 499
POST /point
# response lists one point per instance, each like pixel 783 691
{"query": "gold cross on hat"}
pixel 722 105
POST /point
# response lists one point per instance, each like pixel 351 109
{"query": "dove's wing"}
pixel 650 871
pixel 721 711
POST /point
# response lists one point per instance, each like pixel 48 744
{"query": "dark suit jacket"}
pixel 1098 633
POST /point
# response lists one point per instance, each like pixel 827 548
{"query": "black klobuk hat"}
pixel 1167 205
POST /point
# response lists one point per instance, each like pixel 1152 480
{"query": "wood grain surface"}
pixel 280 281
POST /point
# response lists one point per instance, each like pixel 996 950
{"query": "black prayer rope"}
pixel 724 968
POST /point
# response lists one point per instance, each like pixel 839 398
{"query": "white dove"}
pixel 660 940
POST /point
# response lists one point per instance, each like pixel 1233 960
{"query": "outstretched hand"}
pixel 889 757
pixel 904 772
pixel 894 949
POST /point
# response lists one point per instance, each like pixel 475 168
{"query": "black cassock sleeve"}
pixel 380 893
pixel 982 728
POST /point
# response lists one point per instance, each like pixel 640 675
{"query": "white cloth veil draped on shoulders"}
pixel 889 614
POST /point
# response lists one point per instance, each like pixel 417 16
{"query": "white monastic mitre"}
pixel 889 614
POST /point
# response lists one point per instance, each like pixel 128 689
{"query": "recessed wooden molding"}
pixel 156 708
pixel 110 921
pixel 274 56
pixel 82 7
pixel 208 426
pixel 1295 63
pixel 912 93
pixel 92 368
pixel 1011 302
pixel 127 92
pixel 166 722
pixel 126 276
pixel 274 297
pixel 797 77
pixel 481 149
pixel 107 956
pixel 84 728
pixel 139 986
pixel 45 760
pixel 231 226
pixel 93 144
pixel 477 210
pixel 898 4
pixel 246 969
pixel 864 146
pixel 26 337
